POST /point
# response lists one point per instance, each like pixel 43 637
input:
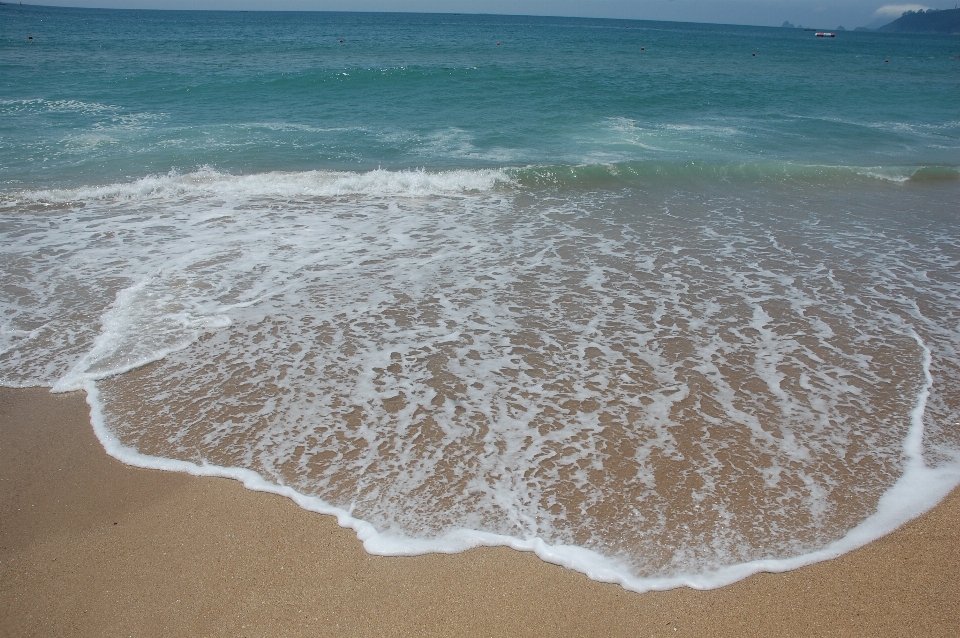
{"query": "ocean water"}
pixel 668 304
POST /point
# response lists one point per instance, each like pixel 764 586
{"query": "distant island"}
pixel 788 25
pixel 929 21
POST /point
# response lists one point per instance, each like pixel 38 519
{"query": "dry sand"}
pixel 90 547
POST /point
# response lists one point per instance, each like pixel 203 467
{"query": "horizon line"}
pixel 451 13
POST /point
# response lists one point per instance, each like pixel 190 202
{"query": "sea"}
pixel 665 303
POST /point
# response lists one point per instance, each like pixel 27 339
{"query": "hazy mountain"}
pixel 930 21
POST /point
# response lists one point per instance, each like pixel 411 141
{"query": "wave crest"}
pixel 208 182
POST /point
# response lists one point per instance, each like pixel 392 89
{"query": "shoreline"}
pixel 89 546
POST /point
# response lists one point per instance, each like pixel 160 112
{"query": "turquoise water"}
pixel 103 95
pixel 665 303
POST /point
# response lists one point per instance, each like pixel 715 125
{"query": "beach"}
pixel 91 547
pixel 376 323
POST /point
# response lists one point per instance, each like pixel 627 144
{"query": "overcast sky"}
pixel 809 13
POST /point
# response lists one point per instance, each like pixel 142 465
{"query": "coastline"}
pixel 89 546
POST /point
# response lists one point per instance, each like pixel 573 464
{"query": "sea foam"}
pixel 208 182
pixel 656 391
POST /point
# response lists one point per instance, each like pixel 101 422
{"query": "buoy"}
pixel 498 44
pixel 341 41
pixel 641 48
pixel 885 61
pixel 754 54
pixel 29 37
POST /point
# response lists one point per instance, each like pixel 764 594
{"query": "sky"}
pixel 826 14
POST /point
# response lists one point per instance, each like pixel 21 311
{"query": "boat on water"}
pixel 826 34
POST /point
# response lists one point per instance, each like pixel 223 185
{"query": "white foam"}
pixel 211 183
pixel 63 106
pixel 895 174
pixel 442 367
pixel 918 489
pixel 138 329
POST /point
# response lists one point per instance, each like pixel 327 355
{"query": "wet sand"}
pixel 89 547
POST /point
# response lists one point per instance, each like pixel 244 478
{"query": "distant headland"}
pixel 929 21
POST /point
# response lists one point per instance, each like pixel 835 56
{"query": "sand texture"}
pixel 90 547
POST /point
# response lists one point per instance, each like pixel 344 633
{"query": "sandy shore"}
pixel 90 547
